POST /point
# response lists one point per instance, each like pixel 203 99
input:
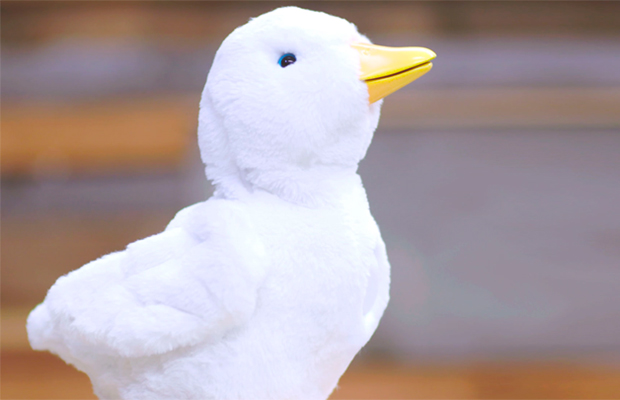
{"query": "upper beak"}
pixel 387 69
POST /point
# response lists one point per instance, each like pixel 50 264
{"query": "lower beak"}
pixel 387 69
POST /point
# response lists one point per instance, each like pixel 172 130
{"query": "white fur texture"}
pixel 270 288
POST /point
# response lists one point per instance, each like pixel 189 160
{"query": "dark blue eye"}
pixel 287 59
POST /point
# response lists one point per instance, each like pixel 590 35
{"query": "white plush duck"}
pixel 268 289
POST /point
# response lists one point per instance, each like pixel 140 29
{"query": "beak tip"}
pixel 431 54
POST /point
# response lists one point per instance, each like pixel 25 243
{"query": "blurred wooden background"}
pixel 43 376
pixel 99 107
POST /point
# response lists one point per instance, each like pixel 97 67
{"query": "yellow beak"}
pixel 387 69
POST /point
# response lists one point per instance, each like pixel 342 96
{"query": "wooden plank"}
pixel 40 21
pixel 116 135
pixel 369 380
pixel 30 375
pixel 366 379
pixel 36 251
pixel 386 380
pixel 97 136
pixel 13 327
pixel 497 380
pixel 500 108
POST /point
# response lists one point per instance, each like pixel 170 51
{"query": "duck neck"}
pixel 315 187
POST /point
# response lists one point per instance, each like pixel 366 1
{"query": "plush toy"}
pixel 268 289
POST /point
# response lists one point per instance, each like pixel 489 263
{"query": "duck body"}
pixel 276 326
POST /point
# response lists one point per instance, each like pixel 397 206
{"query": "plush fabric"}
pixel 268 289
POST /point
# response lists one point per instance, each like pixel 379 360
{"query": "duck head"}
pixel 293 98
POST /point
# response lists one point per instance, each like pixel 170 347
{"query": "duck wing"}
pixel 193 282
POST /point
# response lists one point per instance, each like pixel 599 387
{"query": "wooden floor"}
pixel 32 375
